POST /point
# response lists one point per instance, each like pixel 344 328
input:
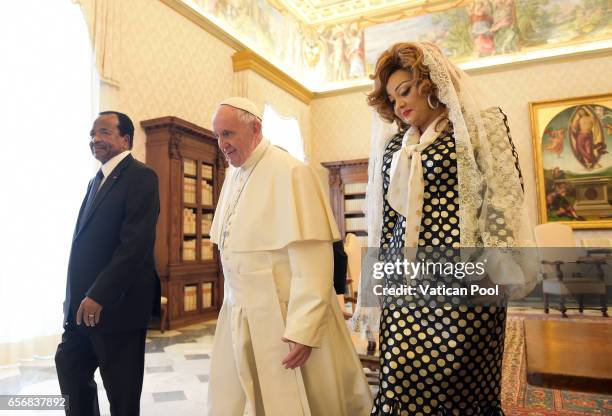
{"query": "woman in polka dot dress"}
pixel 438 359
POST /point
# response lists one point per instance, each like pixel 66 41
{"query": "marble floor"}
pixel 177 364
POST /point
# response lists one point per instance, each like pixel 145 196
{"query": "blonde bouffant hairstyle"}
pixel 407 56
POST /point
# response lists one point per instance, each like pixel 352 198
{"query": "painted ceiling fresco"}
pixel 323 11
pixel 334 54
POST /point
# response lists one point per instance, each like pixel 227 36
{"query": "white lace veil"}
pixel 492 207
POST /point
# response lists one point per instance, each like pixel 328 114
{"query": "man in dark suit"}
pixel 112 286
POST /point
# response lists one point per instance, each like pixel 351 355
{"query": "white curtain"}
pixel 48 97
pixel 283 132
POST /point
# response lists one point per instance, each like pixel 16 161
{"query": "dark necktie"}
pixel 95 185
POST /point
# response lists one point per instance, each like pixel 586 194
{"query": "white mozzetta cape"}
pixel 283 202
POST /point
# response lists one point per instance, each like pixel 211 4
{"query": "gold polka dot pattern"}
pixel 435 360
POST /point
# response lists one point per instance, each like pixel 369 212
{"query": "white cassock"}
pixel 274 228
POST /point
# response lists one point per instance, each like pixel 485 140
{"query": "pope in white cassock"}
pixel 281 346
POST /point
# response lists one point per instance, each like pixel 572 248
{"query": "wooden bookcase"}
pixel 191 171
pixel 347 187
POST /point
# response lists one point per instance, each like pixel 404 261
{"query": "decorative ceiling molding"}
pixel 247 59
pixel 344 91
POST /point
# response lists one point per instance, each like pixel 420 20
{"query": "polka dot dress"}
pixel 435 360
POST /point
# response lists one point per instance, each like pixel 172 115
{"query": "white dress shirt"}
pixel 110 165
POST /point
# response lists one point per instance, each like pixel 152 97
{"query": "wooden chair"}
pixel 567 270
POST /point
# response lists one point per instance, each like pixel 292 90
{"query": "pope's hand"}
pixel 298 355
pixel 89 312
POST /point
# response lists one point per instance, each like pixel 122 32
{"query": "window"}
pixel 48 101
pixel 283 132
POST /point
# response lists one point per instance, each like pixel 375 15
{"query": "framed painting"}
pixel 573 160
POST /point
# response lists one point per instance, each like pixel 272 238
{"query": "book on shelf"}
pixel 207 171
pixel 354 205
pixel 206 223
pixel 207 193
pixel 363 240
pixel 354 224
pixel 189 190
pixel 191 298
pixel 355 188
pixel 207 295
pixel 206 248
pixel 189 167
pixel 189 249
pixel 189 221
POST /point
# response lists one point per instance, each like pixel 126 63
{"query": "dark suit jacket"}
pixel 340 266
pixel 112 259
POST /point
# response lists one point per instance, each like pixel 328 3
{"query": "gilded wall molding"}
pixel 247 59
pixel 344 91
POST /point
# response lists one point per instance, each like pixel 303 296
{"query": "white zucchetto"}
pixel 243 104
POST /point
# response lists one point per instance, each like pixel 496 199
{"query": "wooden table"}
pixel 569 355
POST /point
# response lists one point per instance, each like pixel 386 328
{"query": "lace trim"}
pixel 492 208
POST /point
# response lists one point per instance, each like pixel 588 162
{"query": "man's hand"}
pixel 298 355
pixel 89 312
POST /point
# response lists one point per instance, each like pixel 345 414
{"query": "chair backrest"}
pixel 554 235
pixel 556 242
pixel 352 247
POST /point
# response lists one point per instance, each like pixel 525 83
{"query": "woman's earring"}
pixel 433 107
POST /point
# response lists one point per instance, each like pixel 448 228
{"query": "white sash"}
pixel 406 186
